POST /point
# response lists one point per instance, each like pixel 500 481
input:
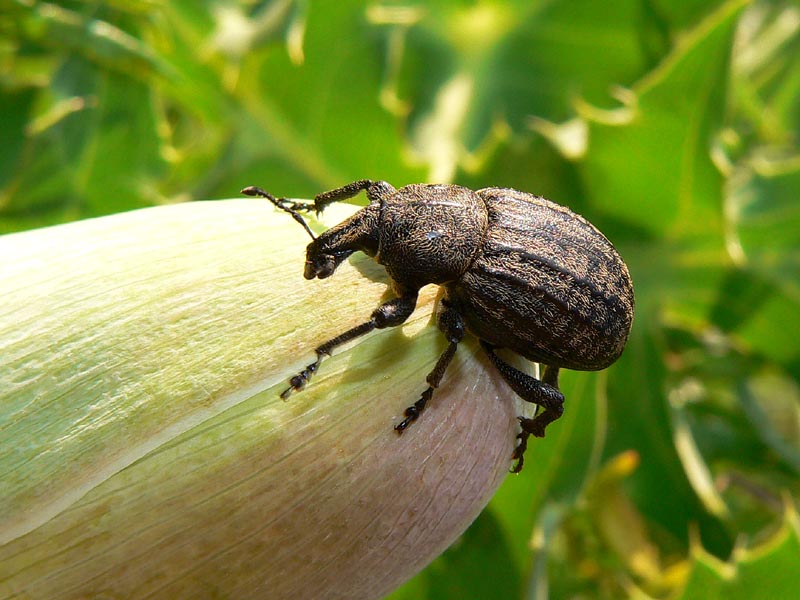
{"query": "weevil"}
pixel 519 272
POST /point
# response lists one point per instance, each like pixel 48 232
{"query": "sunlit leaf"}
pixel 767 570
pixel 653 169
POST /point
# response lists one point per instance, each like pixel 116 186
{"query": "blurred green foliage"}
pixel 674 126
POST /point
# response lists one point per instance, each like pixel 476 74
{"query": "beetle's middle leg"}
pixel 544 393
pixel 389 314
pixel 451 323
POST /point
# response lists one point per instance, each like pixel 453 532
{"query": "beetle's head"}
pixel 332 247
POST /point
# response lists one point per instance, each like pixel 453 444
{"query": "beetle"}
pixel 519 272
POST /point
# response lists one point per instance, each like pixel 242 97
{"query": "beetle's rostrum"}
pixel 518 272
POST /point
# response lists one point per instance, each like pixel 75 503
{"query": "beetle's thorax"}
pixel 430 233
pixel 421 233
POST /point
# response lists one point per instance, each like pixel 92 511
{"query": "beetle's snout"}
pixel 319 266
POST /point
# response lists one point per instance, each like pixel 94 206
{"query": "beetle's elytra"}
pixel 518 272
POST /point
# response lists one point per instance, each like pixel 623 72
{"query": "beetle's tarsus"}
pixel 519 451
pixel 290 206
pixel 299 381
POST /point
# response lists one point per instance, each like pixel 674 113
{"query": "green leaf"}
pixel 653 168
pixel 465 72
pixel 654 171
pixel 770 569
pixel 765 233
pixel 186 114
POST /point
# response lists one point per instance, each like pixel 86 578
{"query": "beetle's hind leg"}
pixel 451 323
pixel 544 393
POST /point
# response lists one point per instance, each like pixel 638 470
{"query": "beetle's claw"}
pixel 402 425
pixel 519 451
pixel 519 456
pixel 412 412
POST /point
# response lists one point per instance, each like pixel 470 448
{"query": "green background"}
pixel 672 125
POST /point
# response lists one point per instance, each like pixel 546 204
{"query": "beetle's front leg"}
pixel 292 207
pixel 451 323
pixel 389 314
pixel 343 193
pixel 375 191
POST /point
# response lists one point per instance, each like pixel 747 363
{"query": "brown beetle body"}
pixel 561 294
pixel 519 272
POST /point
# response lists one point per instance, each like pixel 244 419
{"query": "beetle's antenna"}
pixel 286 205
